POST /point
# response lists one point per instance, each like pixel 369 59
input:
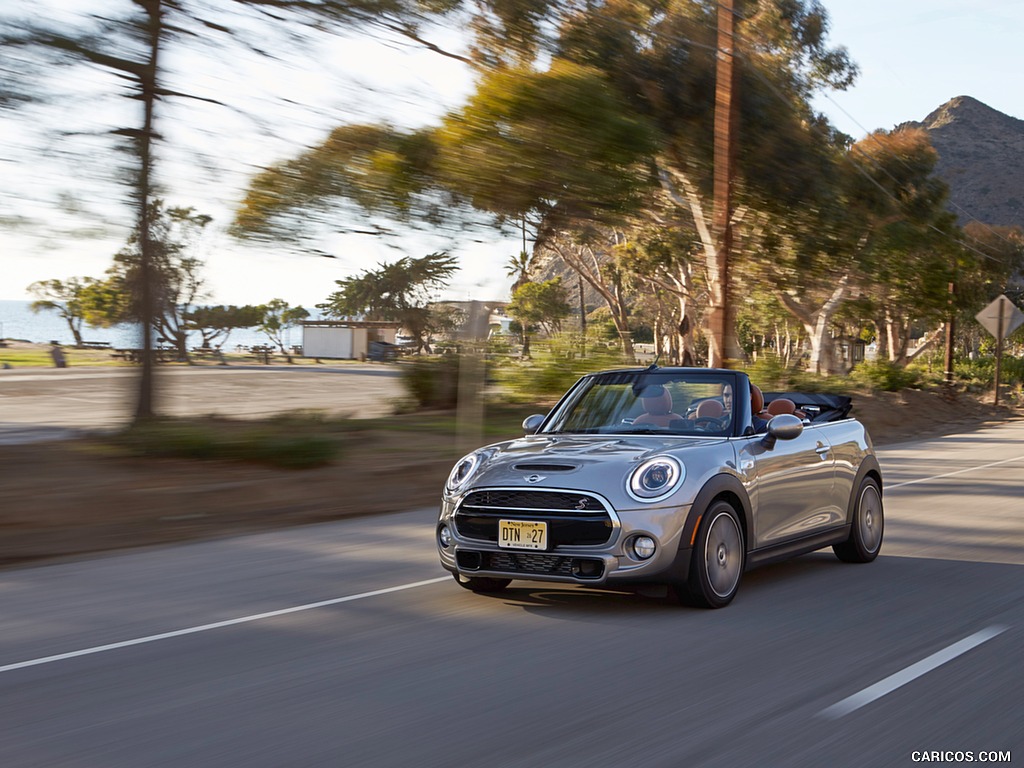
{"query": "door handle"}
pixel 821 450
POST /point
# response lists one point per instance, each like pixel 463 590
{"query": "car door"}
pixel 793 486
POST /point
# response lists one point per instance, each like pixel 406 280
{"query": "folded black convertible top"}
pixel 819 407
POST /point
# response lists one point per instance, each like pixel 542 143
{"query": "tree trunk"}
pixel 153 29
pixel 816 323
pixel 723 344
pixel 583 261
pixel 75 331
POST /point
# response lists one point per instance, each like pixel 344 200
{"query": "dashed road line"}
pixel 911 673
pixel 216 625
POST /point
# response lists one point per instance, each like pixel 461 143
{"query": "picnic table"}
pixel 262 353
pixel 95 345
pixel 160 354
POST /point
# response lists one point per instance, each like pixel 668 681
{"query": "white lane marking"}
pixel 904 676
pixel 950 474
pixel 216 625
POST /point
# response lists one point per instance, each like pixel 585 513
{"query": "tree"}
pixel 131 45
pixel 65 298
pixel 620 99
pixel 590 253
pixel 543 304
pixel 398 291
pixel 520 267
pixel 176 285
pixel 881 237
pixel 277 317
pixel 214 324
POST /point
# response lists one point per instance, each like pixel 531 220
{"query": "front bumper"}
pixel 607 564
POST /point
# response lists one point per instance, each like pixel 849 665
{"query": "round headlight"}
pixel 462 471
pixel 655 479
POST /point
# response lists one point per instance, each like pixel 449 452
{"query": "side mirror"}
pixel 785 426
pixel 532 423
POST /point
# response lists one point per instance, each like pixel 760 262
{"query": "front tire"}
pixel 481 584
pixel 719 557
pixel 868 526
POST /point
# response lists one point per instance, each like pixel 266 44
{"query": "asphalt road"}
pixel 346 645
pixel 55 403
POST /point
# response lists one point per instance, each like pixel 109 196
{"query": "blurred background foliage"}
pixel 588 128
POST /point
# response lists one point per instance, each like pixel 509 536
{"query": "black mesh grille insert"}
pixel 529 499
pixel 541 564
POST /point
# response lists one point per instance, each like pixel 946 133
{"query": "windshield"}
pixel 644 402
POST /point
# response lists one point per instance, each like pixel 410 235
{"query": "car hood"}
pixel 577 461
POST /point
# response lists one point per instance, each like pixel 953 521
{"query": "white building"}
pixel 345 339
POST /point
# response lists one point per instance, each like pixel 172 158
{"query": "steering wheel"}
pixel 704 423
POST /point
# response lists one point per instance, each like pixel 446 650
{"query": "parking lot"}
pixel 36 403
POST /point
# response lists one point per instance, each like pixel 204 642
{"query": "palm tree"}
pixel 520 267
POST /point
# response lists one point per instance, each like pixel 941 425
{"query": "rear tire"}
pixel 718 559
pixel 482 584
pixel 868 526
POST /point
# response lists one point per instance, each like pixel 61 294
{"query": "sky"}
pixel 914 55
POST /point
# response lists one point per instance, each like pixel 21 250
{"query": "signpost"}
pixel 1000 318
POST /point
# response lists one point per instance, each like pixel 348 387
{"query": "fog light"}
pixel 444 535
pixel 643 547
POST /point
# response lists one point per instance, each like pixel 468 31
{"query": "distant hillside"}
pixel 981 158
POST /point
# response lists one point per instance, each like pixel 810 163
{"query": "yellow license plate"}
pixel 522 534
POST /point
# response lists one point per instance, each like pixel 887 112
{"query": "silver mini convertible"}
pixel 683 477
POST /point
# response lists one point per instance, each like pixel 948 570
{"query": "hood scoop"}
pixel 544 466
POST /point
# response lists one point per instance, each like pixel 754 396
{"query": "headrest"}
pixel 781 405
pixel 756 399
pixel 710 409
pixel 657 400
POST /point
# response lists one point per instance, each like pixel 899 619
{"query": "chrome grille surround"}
pixel 576 518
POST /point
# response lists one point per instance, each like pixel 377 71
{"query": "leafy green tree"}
pixel 65 298
pixel 398 291
pixel 592 253
pixel 622 97
pixel 883 230
pixel 214 324
pixel 543 304
pixel 174 273
pixel 277 317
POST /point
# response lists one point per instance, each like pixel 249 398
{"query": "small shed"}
pixel 345 339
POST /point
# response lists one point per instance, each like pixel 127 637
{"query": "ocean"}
pixel 18 321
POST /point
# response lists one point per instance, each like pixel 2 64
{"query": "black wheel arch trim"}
pixel 713 488
pixel 869 466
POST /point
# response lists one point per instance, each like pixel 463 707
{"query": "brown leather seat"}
pixel 756 400
pixel 710 409
pixel 781 405
pixel 658 410
pixel 785 405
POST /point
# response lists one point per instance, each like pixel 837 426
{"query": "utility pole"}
pixel 723 345
pixel 950 337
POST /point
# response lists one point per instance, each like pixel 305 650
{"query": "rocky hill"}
pixel 981 157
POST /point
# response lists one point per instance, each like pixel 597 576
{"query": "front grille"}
pixel 573 518
pixel 530 499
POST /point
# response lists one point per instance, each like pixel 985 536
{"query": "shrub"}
pixel 556 364
pixel 292 443
pixel 432 381
pixel 884 375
